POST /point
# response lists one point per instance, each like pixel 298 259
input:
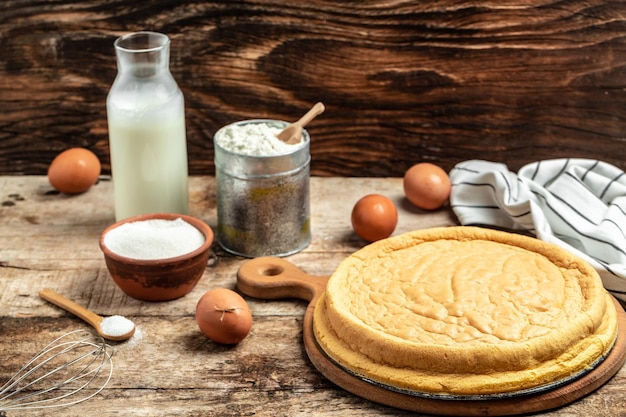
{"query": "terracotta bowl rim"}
pixel 203 227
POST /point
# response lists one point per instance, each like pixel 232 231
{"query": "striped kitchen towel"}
pixel 578 204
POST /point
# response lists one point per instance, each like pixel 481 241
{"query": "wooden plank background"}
pixel 403 81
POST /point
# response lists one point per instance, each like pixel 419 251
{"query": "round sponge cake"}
pixel 465 311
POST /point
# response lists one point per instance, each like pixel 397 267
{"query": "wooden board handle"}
pixel 272 278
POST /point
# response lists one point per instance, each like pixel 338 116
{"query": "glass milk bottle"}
pixel 147 139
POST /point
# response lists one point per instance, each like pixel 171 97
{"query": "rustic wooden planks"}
pixel 403 81
pixel 170 368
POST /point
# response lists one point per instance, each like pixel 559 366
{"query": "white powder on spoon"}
pixel 154 239
pixel 116 326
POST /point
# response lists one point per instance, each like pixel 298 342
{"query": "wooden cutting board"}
pixel 276 278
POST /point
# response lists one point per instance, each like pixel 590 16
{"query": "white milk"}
pixel 149 163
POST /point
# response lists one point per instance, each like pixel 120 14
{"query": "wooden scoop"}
pixel 293 133
pixel 87 315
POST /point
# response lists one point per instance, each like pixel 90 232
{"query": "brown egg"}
pixel 427 186
pixel 223 316
pixel 374 217
pixel 74 170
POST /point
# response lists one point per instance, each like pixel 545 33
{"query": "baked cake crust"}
pixel 465 311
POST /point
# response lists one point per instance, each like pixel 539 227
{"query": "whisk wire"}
pixel 78 374
pixel 92 355
pixel 42 354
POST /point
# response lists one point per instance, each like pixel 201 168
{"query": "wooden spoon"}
pixel 83 313
pixel 293 133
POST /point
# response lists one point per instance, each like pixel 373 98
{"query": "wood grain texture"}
pixel 403 81
pixel 169 368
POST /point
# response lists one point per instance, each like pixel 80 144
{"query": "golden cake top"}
pixel 462 300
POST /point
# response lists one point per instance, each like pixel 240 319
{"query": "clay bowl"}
pixel 158 279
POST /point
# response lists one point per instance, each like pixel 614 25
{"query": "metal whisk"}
pixel 60 374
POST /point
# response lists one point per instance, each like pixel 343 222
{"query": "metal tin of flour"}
pixel 262 199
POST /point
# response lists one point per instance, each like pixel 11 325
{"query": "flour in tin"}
pixel 254 139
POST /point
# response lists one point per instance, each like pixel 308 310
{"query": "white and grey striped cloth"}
pixel 578 204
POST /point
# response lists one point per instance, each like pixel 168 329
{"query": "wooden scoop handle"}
pixel 70 306
pixel 272 278
pixel 315 111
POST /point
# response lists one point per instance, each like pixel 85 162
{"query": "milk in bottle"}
pixel 146 120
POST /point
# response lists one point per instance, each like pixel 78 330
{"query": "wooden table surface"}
pixel 169 368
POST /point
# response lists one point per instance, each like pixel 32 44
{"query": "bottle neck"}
pixel 143 54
